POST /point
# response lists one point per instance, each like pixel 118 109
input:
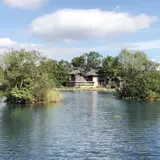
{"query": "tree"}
pixel 111 66
pixel 78 62
pixel 23 79
pixel 93 60
pixel 141 86
pixel 58 72
pixel 49 67
pixel 141 80
pixel 133 61
pixel 62 72
pixel 1 75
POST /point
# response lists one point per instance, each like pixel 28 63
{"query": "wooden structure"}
pixel 93 78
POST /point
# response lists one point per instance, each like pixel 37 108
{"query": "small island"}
pixel 29 77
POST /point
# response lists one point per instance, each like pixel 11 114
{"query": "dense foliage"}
pixel 87 61
pixel 141 80
pixel 27 76
pixel 141 86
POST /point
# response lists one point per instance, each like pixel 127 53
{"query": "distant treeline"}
pixel 27 76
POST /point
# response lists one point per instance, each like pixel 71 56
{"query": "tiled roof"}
pixel 75 72
pixel 92 72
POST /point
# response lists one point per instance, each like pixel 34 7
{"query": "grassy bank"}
pixel 53 96
pixel 100 89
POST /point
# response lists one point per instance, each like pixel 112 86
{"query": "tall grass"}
pixel 53 96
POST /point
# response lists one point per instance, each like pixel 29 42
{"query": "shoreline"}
pixel 86 89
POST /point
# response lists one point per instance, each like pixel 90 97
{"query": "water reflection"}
pixel 94 103
pixel 82 127
pixel 140 132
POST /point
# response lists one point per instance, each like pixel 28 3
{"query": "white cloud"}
pixel 6 44
pixel 142 45
pixel 80 24
pixel 146 45
pixel 24 4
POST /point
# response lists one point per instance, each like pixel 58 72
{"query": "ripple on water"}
pixel 83 127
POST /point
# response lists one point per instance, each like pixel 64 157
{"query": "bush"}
pixel 141 86
pixel 52 96
pixel 24 80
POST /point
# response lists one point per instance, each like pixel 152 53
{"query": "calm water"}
pixel 83 127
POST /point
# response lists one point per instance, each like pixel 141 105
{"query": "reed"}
pixel 53 96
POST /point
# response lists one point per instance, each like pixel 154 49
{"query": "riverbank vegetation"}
pixel 24 77
pixel 141 79
pixel 139 74
pixel 88 89
pixel 28 77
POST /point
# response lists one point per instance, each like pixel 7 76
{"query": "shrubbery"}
pixel 141 80
pixel 24 79
pixel 26 76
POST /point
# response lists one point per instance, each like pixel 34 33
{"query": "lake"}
pixel 85 126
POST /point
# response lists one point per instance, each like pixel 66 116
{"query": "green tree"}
pixel 93 60
pixel 1 75
pixel 111 66
pixel 58 72
pixel 78 62
pixel 62 72
pixel 49 67
pixel 141 80
pixel 141 86
pixel 133 61
pixel 23 79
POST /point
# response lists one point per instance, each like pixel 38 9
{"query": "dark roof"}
pixel 95 72
pixel 75 72
pixel 92 72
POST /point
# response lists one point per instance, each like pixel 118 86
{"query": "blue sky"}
pixel 62 29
